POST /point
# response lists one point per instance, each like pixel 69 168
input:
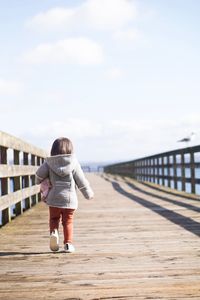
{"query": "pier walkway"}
pixel 132 241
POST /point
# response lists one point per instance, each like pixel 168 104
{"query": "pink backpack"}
pixel 45 186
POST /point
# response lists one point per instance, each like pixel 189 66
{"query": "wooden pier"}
pixel 133 241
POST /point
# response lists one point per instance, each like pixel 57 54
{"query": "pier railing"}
pixel 18 164
pixel 179 169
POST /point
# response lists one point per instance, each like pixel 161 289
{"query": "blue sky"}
pixel 120 78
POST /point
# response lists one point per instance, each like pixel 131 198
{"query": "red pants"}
pixel 55 213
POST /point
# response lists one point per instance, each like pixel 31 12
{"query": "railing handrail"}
pixel 12 142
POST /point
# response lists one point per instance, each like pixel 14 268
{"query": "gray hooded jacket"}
pixel 65 173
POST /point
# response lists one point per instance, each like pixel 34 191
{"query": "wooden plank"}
pixel 16 170
pixel 13 198
pixel 9 141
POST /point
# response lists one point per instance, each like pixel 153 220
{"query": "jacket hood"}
pixel 62 165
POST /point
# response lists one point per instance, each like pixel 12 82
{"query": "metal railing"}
pixel 18 164
pixel 178 169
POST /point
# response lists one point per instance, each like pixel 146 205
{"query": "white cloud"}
pixel 127 35
pixel 80 50
pixel 109 14
pixel 54 18
pixel 10 87
pixel 101 14
pixel 114 73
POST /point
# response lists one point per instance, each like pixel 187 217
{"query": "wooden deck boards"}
pixel 132 242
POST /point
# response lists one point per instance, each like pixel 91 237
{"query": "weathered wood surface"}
pixel 15 197
pixel 130 244
pixel 12 142
pixel 16 170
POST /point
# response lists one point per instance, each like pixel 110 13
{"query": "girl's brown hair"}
pixel 61 146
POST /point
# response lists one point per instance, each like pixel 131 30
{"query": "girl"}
pixel 65 173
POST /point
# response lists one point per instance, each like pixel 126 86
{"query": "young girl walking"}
pixel 65 174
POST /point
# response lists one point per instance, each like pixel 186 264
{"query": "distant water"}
pixel 187 175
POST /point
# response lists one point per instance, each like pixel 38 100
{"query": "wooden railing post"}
pixel 192 170
pixel 147 169
pixel 26 181
pixel 154 170
pixel 17 184
pixel 143 170
pixel 182 171
pixel 34 198
pixel 6 215
pixel 163 170
pixel 38 161
pixel 34 160
pixel 158 170
pixel 134 169
pixel 175 171
pixel 168 172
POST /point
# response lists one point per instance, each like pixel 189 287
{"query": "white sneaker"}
pixel 69 248
pixel 54 240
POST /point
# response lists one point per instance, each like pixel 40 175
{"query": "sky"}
pixel 120 78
